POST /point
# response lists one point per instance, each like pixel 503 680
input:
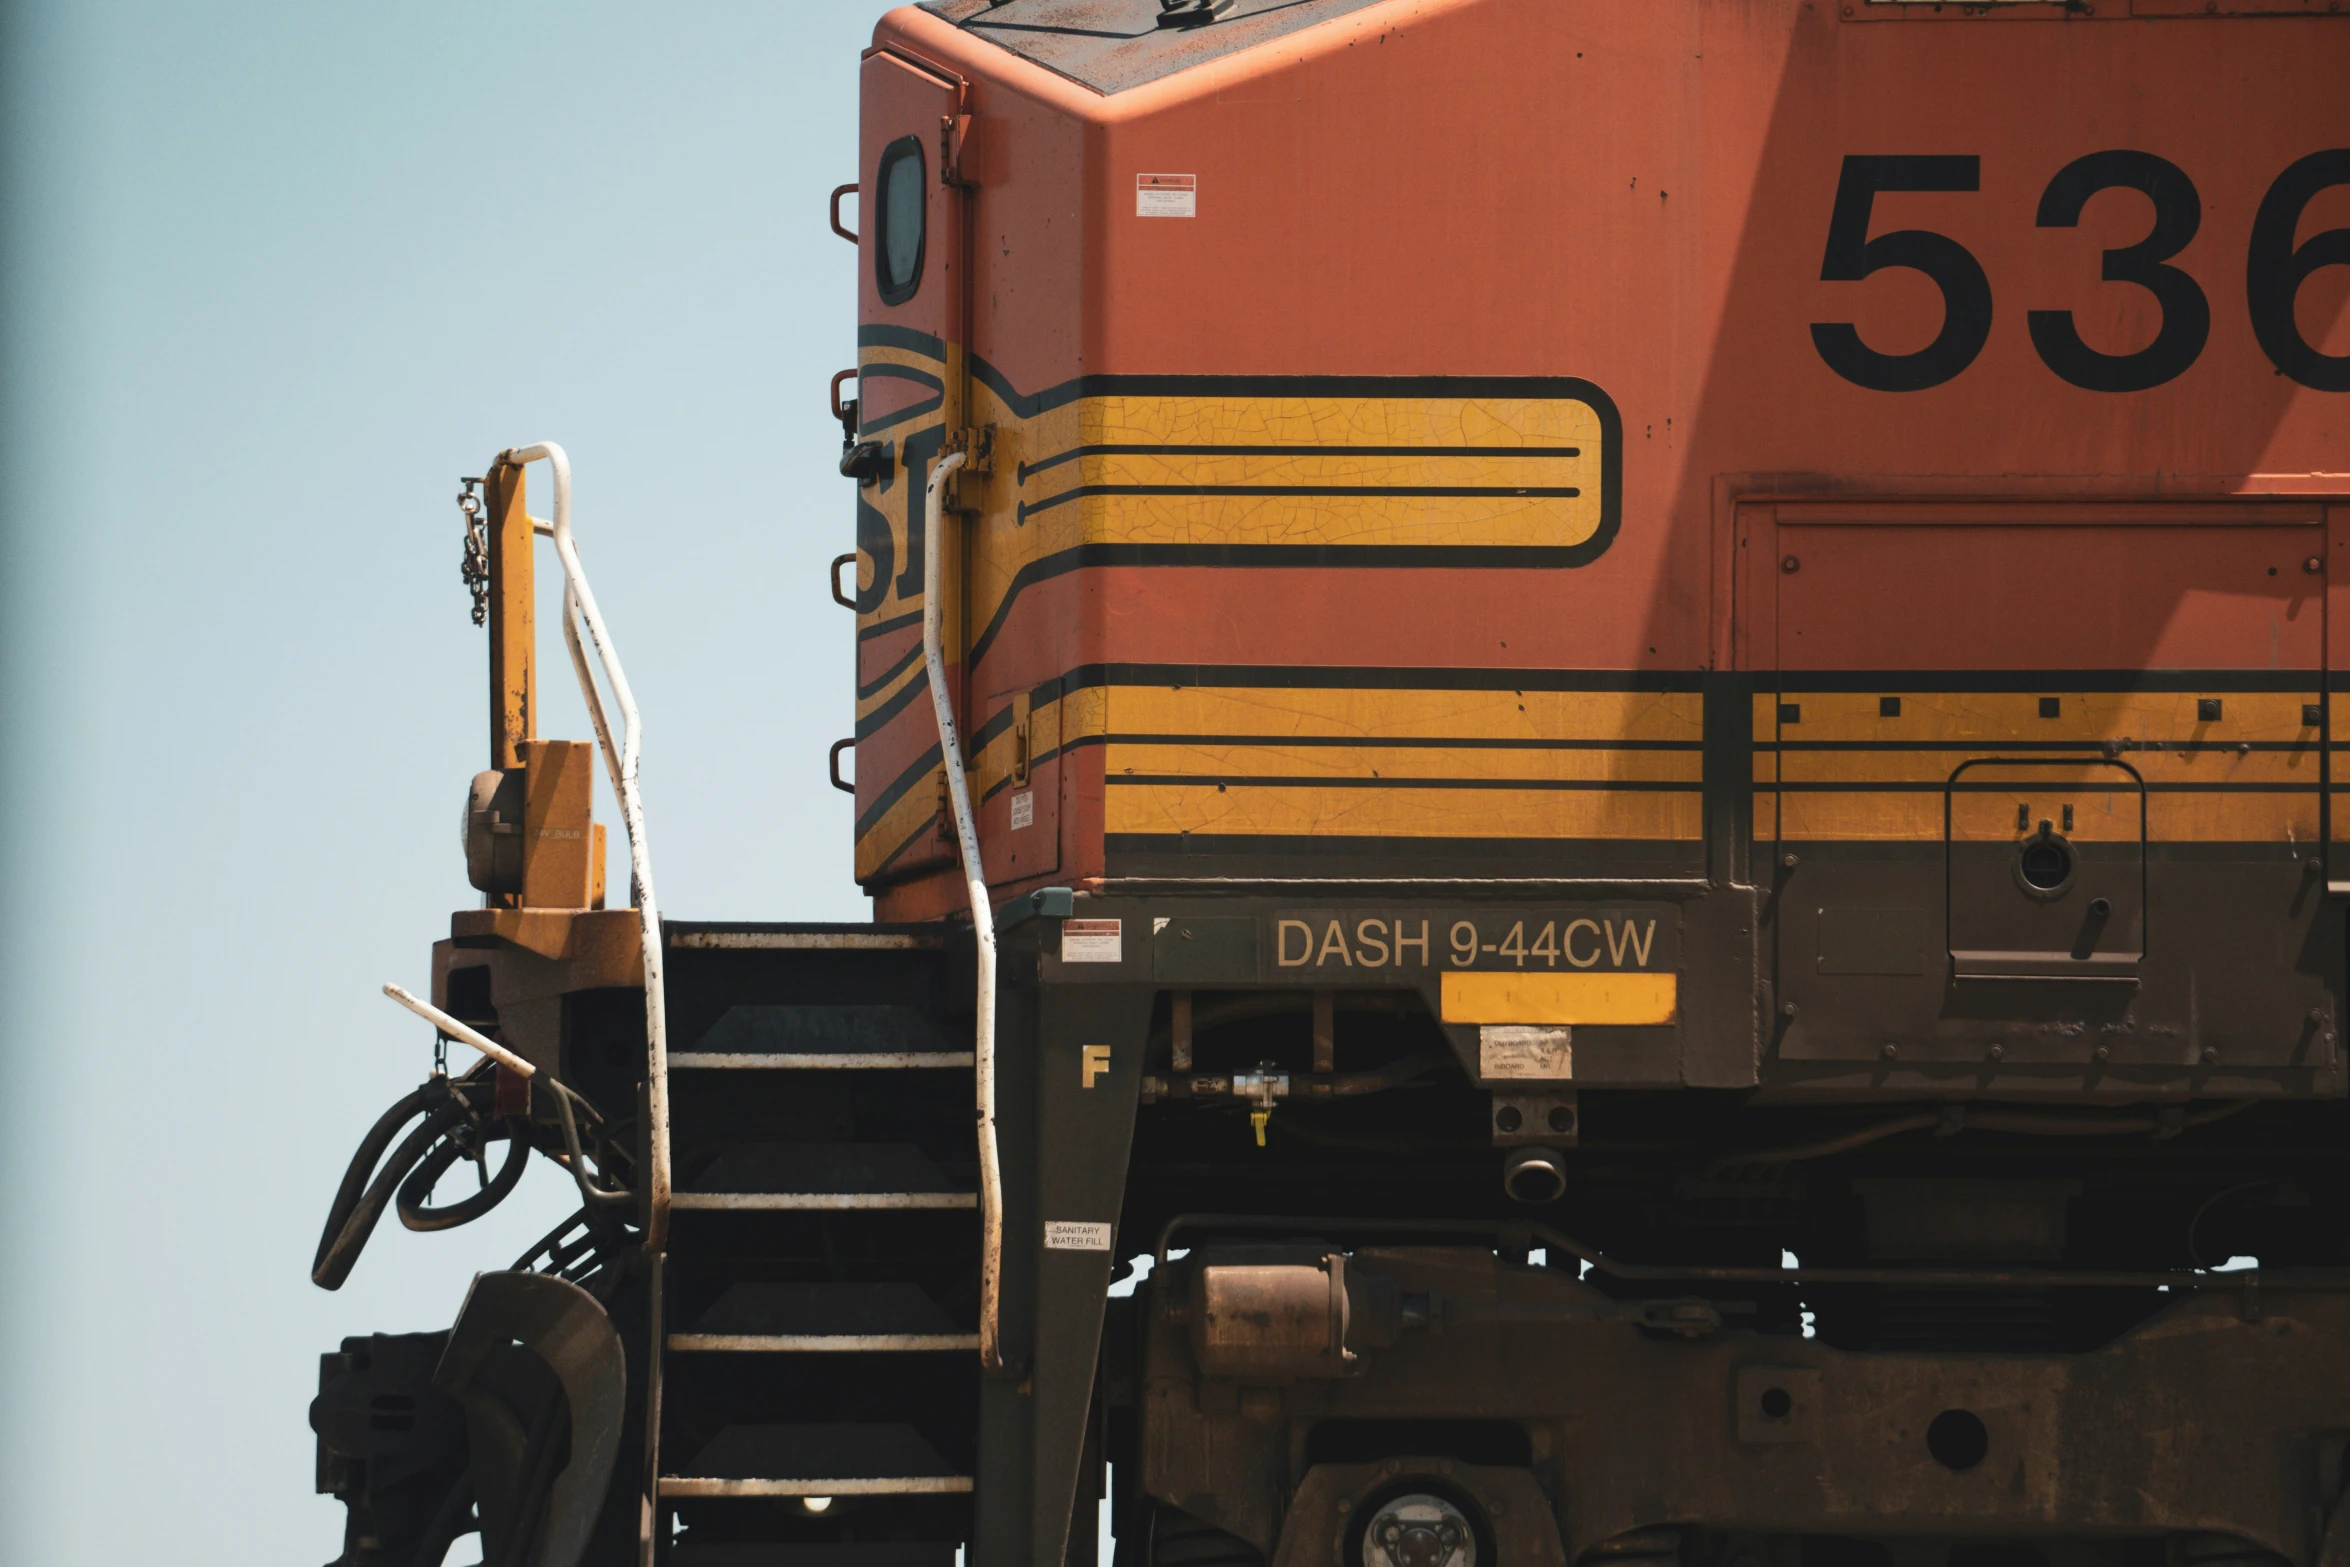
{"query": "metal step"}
pixel 829 1037
pixel 823 1318
pixel 862 1553
pixel 752 1177
pixel 816 1460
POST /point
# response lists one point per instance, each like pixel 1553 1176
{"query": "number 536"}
pixel 2274 270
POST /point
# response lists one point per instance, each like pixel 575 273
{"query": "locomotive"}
pixel 1593 744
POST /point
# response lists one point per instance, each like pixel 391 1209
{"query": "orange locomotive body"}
pixel 1505 441
pixel 1751 545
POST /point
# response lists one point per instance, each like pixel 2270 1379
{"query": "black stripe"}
pixel 1028 509
pixel 1764 786
pixel 872 723
pixel 882 628
pixel 1336 847
pixel 871 816
pixel 1576 785
pixel 929 825
pixel 2141 747
pixel 1547 388
pixel 886 676
pixel 1414 742
pixel 2043 682
pixel 1324 677
pixel 1168 449
pixel 889 421
pixel 881 335
pixel 882 369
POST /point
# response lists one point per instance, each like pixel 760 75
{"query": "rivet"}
pixel 1891 1051
pixel 1788 860
pixel 2313 565
pixel 1787 1009
pixel 2104 1052
pixel 1998 1052
pixel 2210 1054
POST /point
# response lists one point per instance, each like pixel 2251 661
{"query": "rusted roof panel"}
pixel 1111 45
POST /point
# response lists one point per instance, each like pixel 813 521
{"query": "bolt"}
pixel 1788 860
pixel 1790 565
pixel 2210 1054
pixel 1891 1051
pixel 1998 1052
pixel 2104 1052
pixel 1786 1009
pixel 2313 565
pixel 2317 1014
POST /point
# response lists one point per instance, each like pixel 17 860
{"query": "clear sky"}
pixel 274 277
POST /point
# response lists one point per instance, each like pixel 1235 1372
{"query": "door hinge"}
pixel 957 151
pixel 977 444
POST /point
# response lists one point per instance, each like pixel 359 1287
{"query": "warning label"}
pixel 1166 195
pixel 1091 941
pixel 1024 809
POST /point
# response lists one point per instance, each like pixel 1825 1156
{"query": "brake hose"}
pixel 415 1202
pixel 360 1202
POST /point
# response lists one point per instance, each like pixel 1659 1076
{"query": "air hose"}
pixel 419 1160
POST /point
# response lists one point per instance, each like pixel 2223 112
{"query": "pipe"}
pixel 620 763
pixel 1533 1175
pixel 593 1196
pixel 2331 1280
pixel 950 750
pixel 462 1034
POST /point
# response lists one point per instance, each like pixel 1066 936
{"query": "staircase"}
pixel 819 1378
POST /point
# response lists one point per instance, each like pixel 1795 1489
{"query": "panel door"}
pixel 2048 785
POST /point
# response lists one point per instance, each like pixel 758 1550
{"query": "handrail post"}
pixel 513 612
pixel 620 760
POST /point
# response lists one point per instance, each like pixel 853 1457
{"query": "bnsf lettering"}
pixel 2274 271
pixel 1326 941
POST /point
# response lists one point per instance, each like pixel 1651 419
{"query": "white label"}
pixel 1091 941
pixel 1024 810
pixel 1071 1235
pixel 1166 195
pixel 1508 1051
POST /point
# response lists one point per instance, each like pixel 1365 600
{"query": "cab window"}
pixel 897 247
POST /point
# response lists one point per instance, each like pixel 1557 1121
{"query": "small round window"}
pixel 897 248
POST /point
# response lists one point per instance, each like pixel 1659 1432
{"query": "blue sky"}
pixel 274 277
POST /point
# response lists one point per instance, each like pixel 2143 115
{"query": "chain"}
pixel 476 565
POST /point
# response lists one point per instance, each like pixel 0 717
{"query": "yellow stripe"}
pixel 1374 715
pixel 1272 759
pixel 1569 999
pixel 1403 812
pixel 2088 718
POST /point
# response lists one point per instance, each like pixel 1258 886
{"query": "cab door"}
pixel 910 393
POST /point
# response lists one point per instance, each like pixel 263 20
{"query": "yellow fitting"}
pixel 1257 1119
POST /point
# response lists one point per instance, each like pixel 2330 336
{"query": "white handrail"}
pixel 579 604
pixel 950 748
